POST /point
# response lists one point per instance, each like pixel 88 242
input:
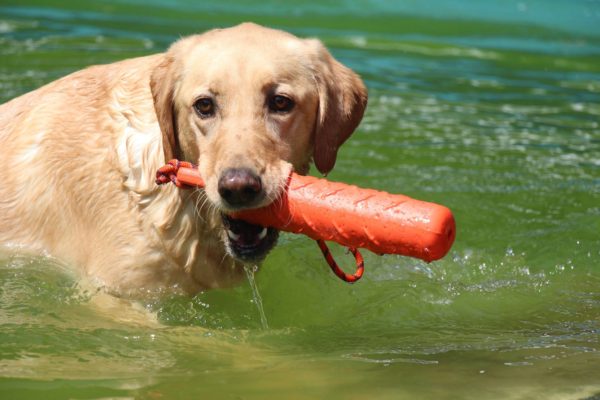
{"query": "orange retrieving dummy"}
pixel 351 216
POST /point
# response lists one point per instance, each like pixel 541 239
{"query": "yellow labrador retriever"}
pixel 79 155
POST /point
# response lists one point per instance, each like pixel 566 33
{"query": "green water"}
pixel 489 107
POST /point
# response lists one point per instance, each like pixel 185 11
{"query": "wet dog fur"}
pixel 248 104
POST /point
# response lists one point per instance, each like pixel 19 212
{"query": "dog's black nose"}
pixel 240 187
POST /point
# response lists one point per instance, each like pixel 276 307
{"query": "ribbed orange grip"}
pixel 354 217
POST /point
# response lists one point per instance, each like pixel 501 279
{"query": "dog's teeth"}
pixel 262 234
pixel 232 236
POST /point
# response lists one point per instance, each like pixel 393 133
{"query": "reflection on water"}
pixel 491 109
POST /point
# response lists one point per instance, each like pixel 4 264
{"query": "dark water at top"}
pixel 491 108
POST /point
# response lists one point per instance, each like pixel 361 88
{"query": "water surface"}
pixel 491 108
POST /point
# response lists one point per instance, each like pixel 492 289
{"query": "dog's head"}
pixel 249 104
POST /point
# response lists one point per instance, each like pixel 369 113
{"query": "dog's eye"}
pixel 205 107
pixel 281 104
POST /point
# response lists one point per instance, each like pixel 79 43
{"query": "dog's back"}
pixel 53 140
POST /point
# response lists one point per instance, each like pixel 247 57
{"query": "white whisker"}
pixel 223 259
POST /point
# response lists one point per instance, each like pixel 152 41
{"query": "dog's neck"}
pixel 168 211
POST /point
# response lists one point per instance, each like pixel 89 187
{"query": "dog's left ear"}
pixel 162 86
pixel 342 103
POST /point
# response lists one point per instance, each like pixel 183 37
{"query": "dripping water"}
pixel 250 271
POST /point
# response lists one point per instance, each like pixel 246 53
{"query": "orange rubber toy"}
pixel 351 216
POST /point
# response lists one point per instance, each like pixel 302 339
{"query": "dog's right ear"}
pixel 162 86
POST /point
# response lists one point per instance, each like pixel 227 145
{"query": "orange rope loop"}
pixel 168 173
pixel 350 278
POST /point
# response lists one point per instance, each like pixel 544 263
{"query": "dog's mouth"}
pixel 248 242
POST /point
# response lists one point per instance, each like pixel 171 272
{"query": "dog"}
pixel 248 104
